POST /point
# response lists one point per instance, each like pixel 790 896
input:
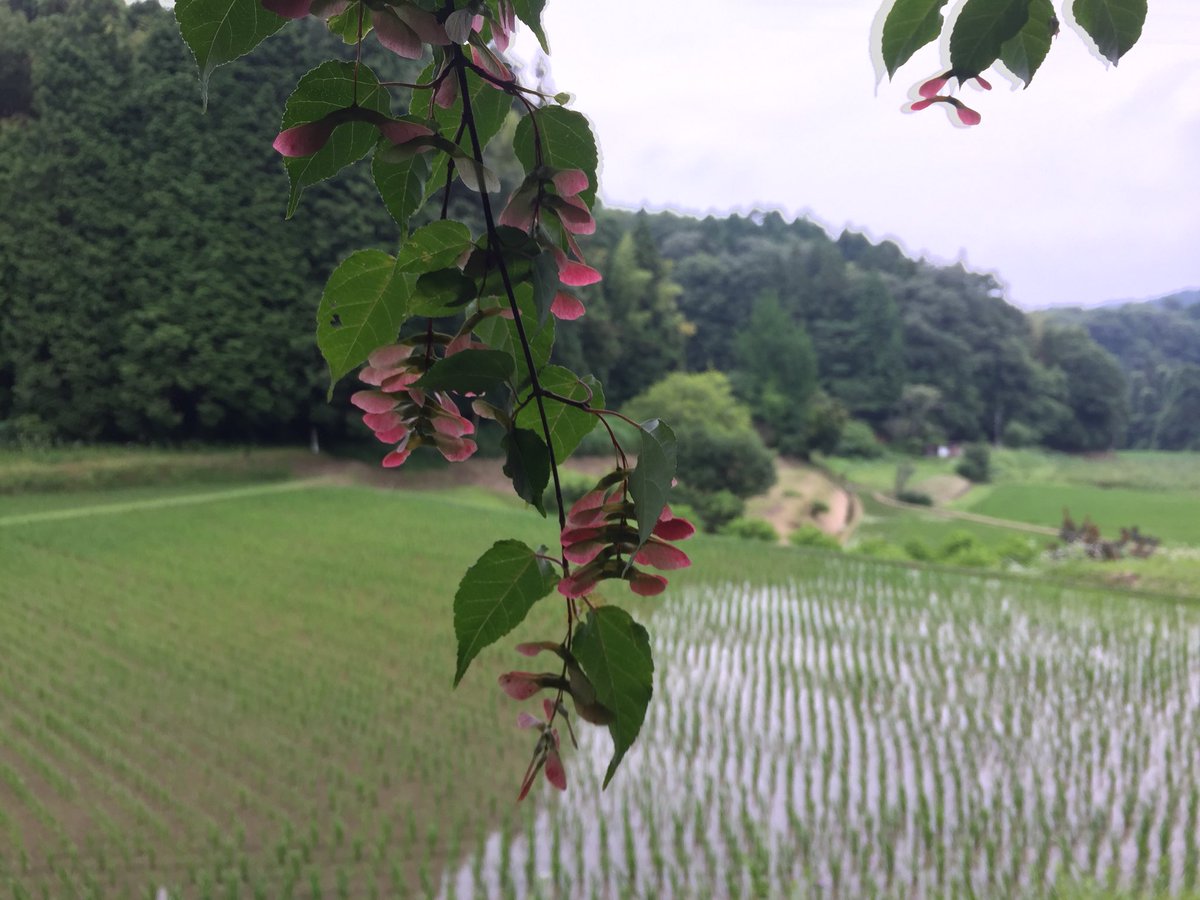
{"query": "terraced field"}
pixel 250 696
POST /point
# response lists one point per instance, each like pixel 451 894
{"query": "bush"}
pixel 879 548
pixel 858 440
pixel 915 497
pixel 918 550
pixel 811 536
pixel 1019 550
pixel 962 548
pixel 750 529
pixel 717 447
pixel 976 464
pixel 712 508
pixel 1018 434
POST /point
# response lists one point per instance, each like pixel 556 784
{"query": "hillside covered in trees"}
pixel 146 272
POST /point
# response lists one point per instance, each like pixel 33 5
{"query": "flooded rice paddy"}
pixel 871 731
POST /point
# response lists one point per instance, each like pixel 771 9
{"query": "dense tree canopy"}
pixel 158 314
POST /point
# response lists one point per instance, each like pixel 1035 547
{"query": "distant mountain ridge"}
pixel 1177 300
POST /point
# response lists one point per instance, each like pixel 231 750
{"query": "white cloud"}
pixel 1081 189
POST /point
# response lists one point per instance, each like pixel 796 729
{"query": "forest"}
pixel 147 270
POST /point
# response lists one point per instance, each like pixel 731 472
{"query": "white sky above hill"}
pixel 1084 188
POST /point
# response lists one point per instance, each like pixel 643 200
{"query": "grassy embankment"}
pixel 234 696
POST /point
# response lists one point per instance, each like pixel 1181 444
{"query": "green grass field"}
pixel 245 691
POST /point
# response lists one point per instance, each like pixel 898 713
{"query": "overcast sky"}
pixel 1084 188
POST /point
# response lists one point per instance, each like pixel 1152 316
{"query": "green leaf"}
pixel 345 24
pixel 495 596
pixel 501 334
pixel 530 12
pixel 909 26
pixel 545 284
pixel 567 143
pixel 490 108
pixel 981 30
pixel 568 425
pixel 468 370
pixel 326 89
pixel 1115 25
pixel 433 247
pixel 219 31
pixel 447 288
pixel 401 185
pixel 614 652
pixel 650 481
pixel 527 463
pixel 362 307
pixel 1023 54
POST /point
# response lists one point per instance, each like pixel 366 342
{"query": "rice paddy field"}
pixel 246 693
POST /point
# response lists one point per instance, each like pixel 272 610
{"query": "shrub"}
pixel 1018 434
pixel 1020 550
pixel 718 449
pixel 916 497
pixel 918 550
pixel 712 508
pixel 976 464
pixel 750 529
pixel 858 440
pixel 879 548
pixel 811 536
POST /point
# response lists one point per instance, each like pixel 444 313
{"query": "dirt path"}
pixel 108 509
pixel 964 516
pixel 789 504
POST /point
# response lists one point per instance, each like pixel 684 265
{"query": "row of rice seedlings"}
pixel 332 775
pixel 859 735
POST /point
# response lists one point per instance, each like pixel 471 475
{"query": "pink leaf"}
pixel 584 552
pixel 575 215
pixel 373 401
pixel 518 213
pixel 966 115
pixel 396 458
pixel 303 140
pixel 390 355
pixel 527 720
pixel 447 92
pixel 548 707
pixel 403 132
pixel 982 82
pixel 383 421
pixel 580 583
pixel 566 307
pixel 647 585
pixel 555 774
pixel 451 424
pixel 398 383
pixel 587 510
pixel 394 436
pixel 576 274
pixel 395 34
pixel 662 556
pixel 933 86
pixel 922 104
pixel 570 182
pixel 520 685
pixel 455 449
pixel 425 24
pixel 674 529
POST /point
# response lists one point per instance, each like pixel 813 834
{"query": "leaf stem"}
pixel 493 244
